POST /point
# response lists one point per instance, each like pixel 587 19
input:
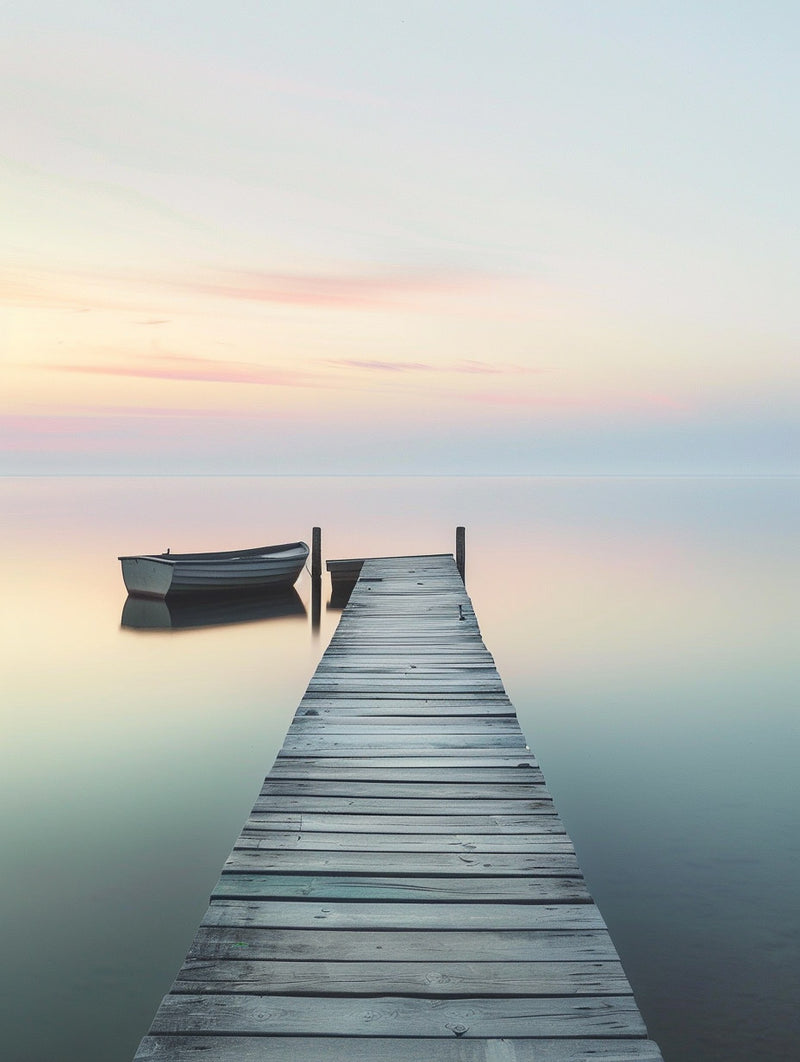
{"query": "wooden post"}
pixel 461 551
pixel 316 553
pixel 316 578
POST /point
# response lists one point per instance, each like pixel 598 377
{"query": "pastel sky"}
pixel 430 237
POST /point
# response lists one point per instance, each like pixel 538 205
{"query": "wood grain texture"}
pixel 297 770
pixel 543 820
pixel 379 887
pixel 180 1048
pixel 378 945
pixel 400 805
pixel 335 787
pixel 400 1016
pixel 401 842
pixel 310 914
pixel 403 889
pixel 398 760
pixel 481 864
pixel 444 979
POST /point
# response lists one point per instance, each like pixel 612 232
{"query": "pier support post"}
pixel 316 577
pixel 461 551
pixel 316 553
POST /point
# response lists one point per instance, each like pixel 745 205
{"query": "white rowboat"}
pixel 265 567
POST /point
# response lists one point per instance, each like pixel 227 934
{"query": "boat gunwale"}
pixel 221 555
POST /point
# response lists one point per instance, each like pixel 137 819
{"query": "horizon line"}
pixel 399 475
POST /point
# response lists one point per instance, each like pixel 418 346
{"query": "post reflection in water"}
pixel 316 605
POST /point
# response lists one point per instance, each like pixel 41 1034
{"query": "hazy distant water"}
pixel 647 631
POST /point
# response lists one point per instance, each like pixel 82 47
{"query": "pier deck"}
pixel 403 890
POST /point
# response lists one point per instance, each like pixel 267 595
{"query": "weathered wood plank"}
pixel 400 1016
pixel 418 945
pixel 412 732
pixel 409 790
pixel 180 1048
pixel 443 629
pixel 412 916
pixel 405 978
pixel 394 756
pixel 388 710
pixel 403 805
pixel 378 687
pixel 398 706
pixel 436 627
pixel 455 663
pixel 352 744
pixel 293 769
pixel 401 679
pixel 342 656
pixel 368 707
pixel 405 682
pixel 483 864
pixel 322 822
pixel 397 758
pixel 375 887
pixel 402 842
pixel 357 668
pixel 411 727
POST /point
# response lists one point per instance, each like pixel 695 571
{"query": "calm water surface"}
pixel 647 631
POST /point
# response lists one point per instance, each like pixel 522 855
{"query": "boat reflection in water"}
pixel 213 610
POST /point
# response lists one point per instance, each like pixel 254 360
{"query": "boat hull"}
pixel 146 576
pixel 265 568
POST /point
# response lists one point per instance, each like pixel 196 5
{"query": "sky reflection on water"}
pixel 646 630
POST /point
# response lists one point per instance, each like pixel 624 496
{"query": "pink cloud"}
pixel 471 365
pixel 80 290
pixel 382 366
pixel 207 370
pixel 466 367
pixel 203 370
pixel 327 290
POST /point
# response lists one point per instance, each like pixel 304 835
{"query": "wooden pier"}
pixel 403 890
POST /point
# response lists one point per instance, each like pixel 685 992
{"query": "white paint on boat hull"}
pixel 147 576
pixel 267 567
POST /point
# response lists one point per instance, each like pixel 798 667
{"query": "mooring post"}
pixel 316 577
pixel 461 551
pixel 316 553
